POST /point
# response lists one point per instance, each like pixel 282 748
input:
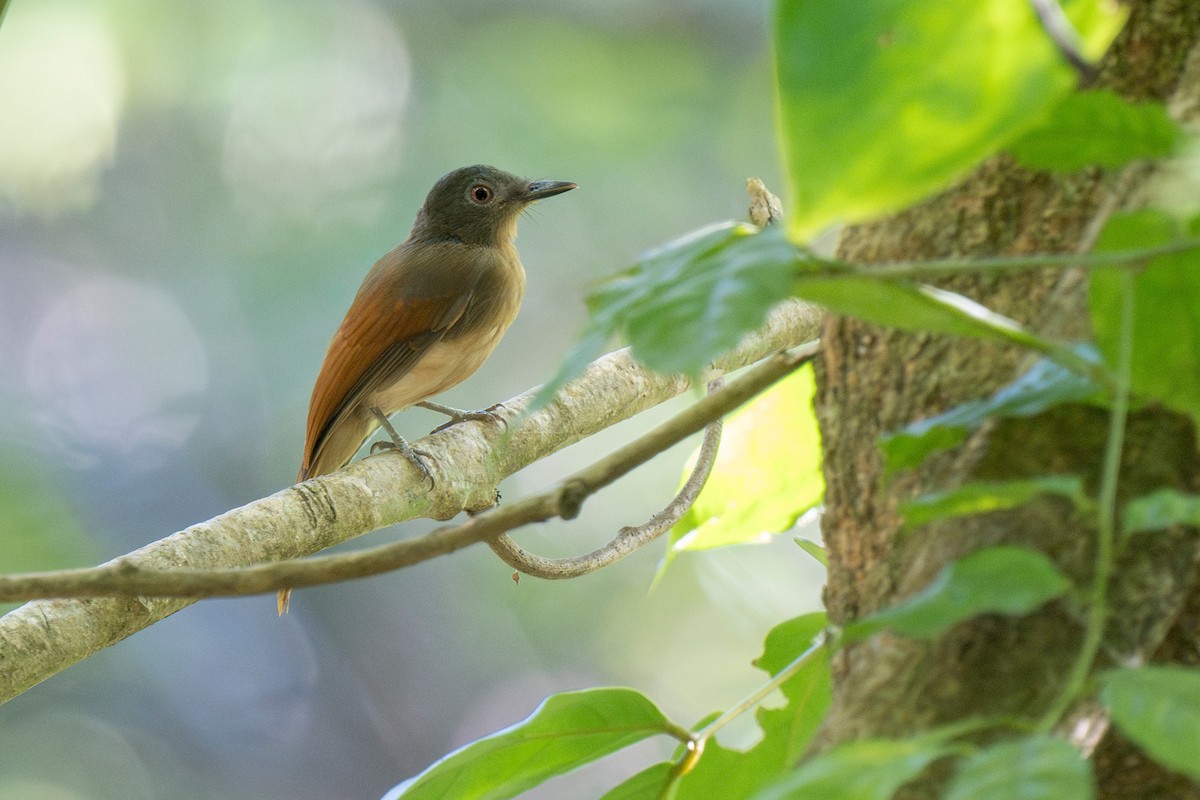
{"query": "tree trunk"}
pixel 873 380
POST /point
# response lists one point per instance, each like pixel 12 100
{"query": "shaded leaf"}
pixel 767 473
pixel 1098 128
pixel 996 580
pixel 984 496
pixel 933 92
pixel 1159 510
pixel 1032 768
pixel 1159 709
pixel 567 731
pixel 1166 309
pixel 1044 386
pixel 871 769
pixel 687 301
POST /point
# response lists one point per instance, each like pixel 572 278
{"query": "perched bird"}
pixel 427 315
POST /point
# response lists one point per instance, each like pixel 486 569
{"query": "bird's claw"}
pixel 491 414
pixel 415 457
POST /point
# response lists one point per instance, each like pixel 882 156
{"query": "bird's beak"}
pixel 536 190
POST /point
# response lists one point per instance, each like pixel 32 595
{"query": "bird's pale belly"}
pixel 444 365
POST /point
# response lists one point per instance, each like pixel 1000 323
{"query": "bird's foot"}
pixel 414 456
pixel 490 414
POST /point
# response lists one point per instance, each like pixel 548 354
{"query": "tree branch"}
pixel 45 636
pixel 629 538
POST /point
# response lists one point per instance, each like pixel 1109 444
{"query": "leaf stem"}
pixel 1106 518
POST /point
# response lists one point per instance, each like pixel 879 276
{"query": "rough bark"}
pixel 873 380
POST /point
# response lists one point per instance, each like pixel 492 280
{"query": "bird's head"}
pixel 479 205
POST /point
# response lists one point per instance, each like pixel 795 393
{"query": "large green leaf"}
pixel 996 580
pixel 734 774
pixel 1032 768
pixel 644 785
pixel 1166 309
pixel 1100 128
pixel 567 731
pixel 882 102
pixel 768 471
pixel 1159 709
pixel 1045 385
pixel 688 301
pixel 871 769
pixel 983 496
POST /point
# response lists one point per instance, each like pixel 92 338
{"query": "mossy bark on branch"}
pixel 873 380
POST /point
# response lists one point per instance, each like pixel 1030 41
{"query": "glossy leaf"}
pixel 1159 510
pixel 1159 709
pixel 1032 768
pixel 933 92
pixel 734 774
pixel 984 496
pixel 767 473
pixel 871 769
pixel 1098 128
pixel 1166 307
pixel 567 731
pixel 1044 386
pixel 996 580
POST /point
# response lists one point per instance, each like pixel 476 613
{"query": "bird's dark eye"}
pixel 481 194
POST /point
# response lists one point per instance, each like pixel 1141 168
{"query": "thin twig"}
pixel 629 538
pixel 1066 40
pixel 123 578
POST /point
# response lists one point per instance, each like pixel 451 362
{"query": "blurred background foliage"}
pixel 190 194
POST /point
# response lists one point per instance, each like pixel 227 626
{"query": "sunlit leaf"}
pixel 1044 386
pixel 1098 128
pixel 731 774
pixel 567 731
pixel 983 496
pixel 931 91
pixel 1159 709
pixel 871 769
pixel 996 580
pixel 1032 768
pixel 1159 510
pixel 1166 309
pixel 767 473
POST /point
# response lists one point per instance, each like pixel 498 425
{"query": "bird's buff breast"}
pixel 444 365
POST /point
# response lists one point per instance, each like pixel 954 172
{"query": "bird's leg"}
pixel 458 415
pixel 397 443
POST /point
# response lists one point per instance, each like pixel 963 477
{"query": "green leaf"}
pixel 883 102
pixel 871 769
pixel 996 580
pixel 1166 310
pixel 733 774
pixel 815 550
pixel 906 306
pixel 767 473
pixel 984 496
pixel 1044 386
pixel 1032 768
pixel 1161 509
pixel 567 731
pixel 646 784
pixel 688 301
pixel 1159 709
pixel 1098 128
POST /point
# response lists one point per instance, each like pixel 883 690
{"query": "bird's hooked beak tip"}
pixel 536 190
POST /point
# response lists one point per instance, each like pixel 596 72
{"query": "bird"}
pixel 427 315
